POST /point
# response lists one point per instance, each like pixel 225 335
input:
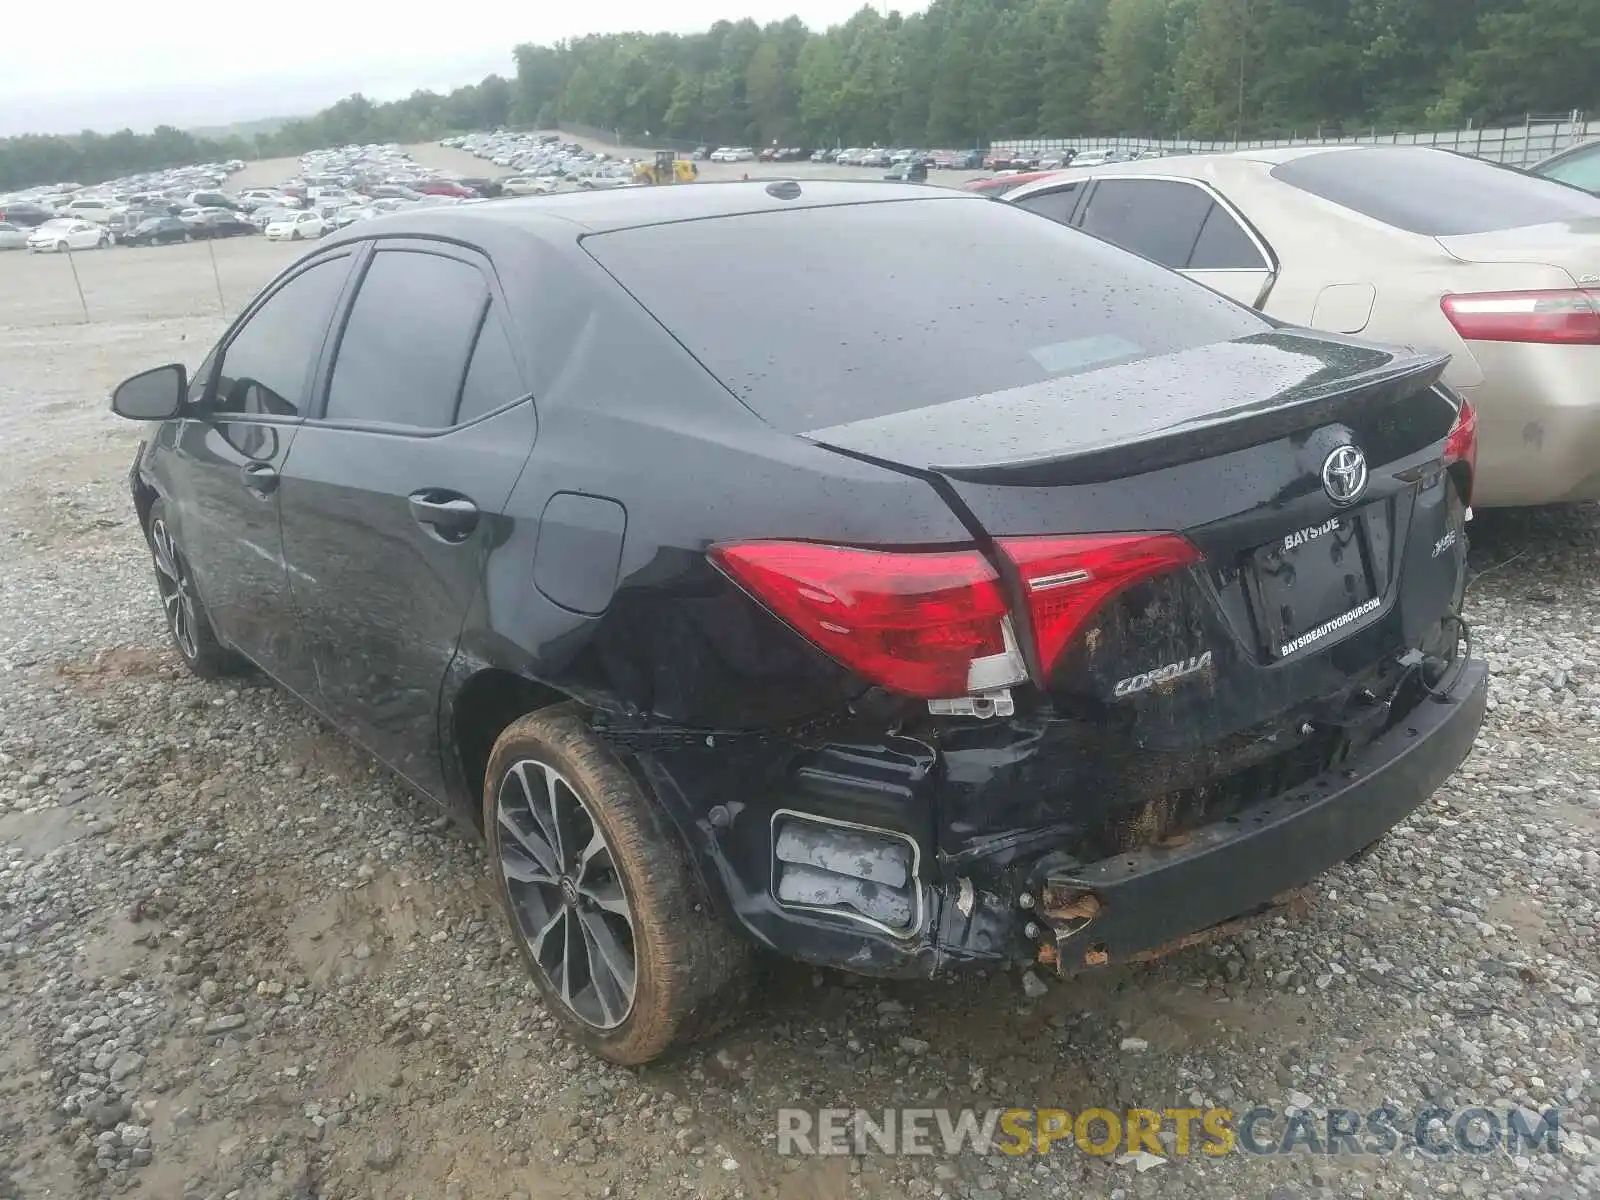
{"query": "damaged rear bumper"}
pixel 834 857
pixel 1123 907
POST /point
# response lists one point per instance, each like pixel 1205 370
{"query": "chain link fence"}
pixel 135 284
pixel 1514 145
pixel 1521 145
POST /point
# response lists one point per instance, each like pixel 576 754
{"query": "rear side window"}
pixel 404 351
pixel 905 304
pixel 1223 245
pixel 492 377
pixel 1153 217
pixel 1433 192
pixel 1057 204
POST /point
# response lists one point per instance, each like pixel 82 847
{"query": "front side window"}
pixel 404 352
pixel 266 365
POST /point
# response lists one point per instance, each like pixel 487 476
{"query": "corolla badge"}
pixel 1344 475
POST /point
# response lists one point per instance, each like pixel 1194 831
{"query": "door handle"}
pixel 260 478
pixel 448 515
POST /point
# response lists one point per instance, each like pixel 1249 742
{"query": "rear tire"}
pixel 188 623
pixel 615 927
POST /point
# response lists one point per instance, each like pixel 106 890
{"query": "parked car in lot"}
pixel 98 209
pixel 157 231
pixel 18 212
pixel 224 224
pixel 13 237
pixel 1578 166
pixel 1004 182
pixel 1497 268
pixel 835 640
pixel 524 185
pixel 68 233
pixel 295 226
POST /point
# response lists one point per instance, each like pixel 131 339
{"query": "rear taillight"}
pixel 1568 317
pixel 934 624
pixel 1069 579
pixel 926 624
pixel 1461 444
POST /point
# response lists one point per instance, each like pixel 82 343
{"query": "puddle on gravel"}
pixel 38 833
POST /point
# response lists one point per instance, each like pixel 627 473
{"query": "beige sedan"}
pixel 1397 244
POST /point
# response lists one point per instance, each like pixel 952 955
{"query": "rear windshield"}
pixel 1433 192
pixel 821 316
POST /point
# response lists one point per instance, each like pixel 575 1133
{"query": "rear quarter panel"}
pixel 627 416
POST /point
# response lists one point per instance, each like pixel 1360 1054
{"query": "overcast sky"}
pixel 114 66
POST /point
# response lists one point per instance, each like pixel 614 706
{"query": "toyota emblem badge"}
pixel 1344 475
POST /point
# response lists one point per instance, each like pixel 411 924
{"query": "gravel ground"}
pixel 238 960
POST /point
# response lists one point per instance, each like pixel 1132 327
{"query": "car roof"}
pixel 626 208
pixel 1217 165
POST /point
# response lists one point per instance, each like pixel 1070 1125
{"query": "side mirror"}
pixel 154 395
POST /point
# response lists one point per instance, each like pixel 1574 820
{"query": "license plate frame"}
pixel 1306 581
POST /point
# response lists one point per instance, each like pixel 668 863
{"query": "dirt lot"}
pixel 237 960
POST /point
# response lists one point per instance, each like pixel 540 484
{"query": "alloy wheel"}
pixel 566 893
pixel 177 591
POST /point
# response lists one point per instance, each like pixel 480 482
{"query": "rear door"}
pixel 393 494
pixel 1184 225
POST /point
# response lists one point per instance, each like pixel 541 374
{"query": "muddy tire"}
pixel 188 624
pixel 604 904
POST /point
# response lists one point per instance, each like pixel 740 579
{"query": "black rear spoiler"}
pixel 1144 415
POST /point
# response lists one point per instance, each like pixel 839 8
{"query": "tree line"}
pixel 967 71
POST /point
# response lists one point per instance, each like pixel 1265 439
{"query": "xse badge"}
pixel 1145 680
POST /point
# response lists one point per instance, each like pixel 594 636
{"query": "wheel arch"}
pixel 145 496
pixel 487 701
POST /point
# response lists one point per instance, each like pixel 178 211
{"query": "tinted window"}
pixel 265 366
pixel 1433 192
pixel 1223 245
pixel 404 350
pixel 1581 169
pixel 1152 217
pixel 905 304
pixel 492 378
pixel 1056 204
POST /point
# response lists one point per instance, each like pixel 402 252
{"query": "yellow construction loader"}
pixel 667 168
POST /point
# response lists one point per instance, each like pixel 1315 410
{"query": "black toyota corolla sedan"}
pixel 751 577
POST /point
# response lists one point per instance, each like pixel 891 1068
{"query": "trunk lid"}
pixel 1570 246
pixel 1139 416
pixel 1299 602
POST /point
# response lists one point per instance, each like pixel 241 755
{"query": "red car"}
pixel 997 184
pixel 445 187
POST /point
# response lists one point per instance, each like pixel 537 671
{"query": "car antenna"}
pixel 784 189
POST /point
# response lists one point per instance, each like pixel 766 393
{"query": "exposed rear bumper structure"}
pixel 1118 908
pixel 837 862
